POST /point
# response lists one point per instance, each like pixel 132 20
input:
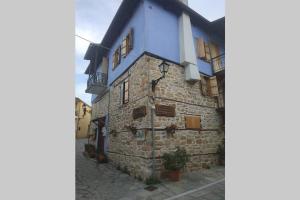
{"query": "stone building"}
pixel 82 118
pixel 130 117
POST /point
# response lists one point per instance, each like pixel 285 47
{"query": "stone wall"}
pixel 188 100
pixel 124 149
pixel 100 108
pixel 136 155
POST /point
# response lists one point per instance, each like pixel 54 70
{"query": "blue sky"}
pixel 93 18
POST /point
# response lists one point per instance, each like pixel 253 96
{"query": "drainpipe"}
pixel 108 115
pixel 152 136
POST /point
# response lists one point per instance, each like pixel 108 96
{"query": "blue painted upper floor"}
pixel 155 24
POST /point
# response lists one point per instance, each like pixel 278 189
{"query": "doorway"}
pixel 100 142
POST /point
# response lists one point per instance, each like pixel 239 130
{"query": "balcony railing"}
pixel 218 63
pixel 96 83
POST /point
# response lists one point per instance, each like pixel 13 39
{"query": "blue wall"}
pixel 203 66
pixel 156 31
pixel 137 22
pixel 162 32
pixel 162 35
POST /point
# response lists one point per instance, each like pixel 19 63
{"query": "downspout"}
pixel 108 116
pixel 152 136
pixel 152 107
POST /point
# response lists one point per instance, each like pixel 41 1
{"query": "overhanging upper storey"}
pixel 153 27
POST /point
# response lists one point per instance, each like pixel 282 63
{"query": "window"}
pixel 203 50
pixel 127 44
pixel 209 86
pixel 124 49
pixel 124 92
pixel 216 60
pixel 117 57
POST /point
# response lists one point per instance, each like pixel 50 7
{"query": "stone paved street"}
pixel 104 182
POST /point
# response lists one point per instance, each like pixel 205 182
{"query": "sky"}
pixel 93 18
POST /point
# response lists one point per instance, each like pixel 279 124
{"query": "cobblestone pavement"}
pixel 103 182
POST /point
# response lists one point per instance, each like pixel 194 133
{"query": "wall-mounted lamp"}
pixel 163 67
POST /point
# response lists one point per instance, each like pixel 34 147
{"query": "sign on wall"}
pixel 140 134
pixel 139 112
pixel 164 110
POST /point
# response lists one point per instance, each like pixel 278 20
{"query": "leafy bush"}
pixel 90 149
pixel 152 181
pixel 171 129
pixel 176 160
pixel 125 170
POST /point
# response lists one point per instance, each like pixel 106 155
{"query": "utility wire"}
pixel 104 47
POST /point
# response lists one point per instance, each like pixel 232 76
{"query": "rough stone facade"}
pixel 127 151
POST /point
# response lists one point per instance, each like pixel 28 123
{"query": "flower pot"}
pixel 174 175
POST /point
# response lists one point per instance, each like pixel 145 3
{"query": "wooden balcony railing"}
pixel 218 63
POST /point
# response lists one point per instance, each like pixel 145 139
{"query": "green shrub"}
pixel 139 178
pixel 118 167
pixel 152 181
pixel 176 160
pixel 125 170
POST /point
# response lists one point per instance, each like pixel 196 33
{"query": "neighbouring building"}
pixel 130 119
pixel 82 118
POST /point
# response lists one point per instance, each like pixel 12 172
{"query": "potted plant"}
pixel 113 133
pixel 171 129
pixel 132 128
pixel 102 158
pixel 174 162
pixel 90 150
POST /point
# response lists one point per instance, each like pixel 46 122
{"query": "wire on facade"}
pixel 104 47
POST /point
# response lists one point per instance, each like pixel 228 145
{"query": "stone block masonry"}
pixel 126 150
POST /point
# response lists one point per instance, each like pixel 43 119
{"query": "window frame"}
pixel 125 92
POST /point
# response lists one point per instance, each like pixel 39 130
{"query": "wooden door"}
pixel 100 141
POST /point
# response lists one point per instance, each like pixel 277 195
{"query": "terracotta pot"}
pixel 174 175
pixel 101 157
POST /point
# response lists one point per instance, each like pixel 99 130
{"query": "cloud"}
pixel 93 18
pixel 82 45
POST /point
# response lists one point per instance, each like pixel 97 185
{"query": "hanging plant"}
pixel 132 128
pixel 171 129
pixel 113 133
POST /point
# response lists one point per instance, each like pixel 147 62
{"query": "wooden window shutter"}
pixel 130 41
pixel 201 48
pixel 121 94
pixel 114 60
pixel 125 91
pixel 215 51
pixel 124 47
pixel 119 55
pixel 213 87
pixel 207 52
pixel 204 86
pixel 192 122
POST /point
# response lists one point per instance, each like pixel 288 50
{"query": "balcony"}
pixel 97 83
pixel 218 63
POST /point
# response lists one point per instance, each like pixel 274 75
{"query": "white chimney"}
pixel 187 49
